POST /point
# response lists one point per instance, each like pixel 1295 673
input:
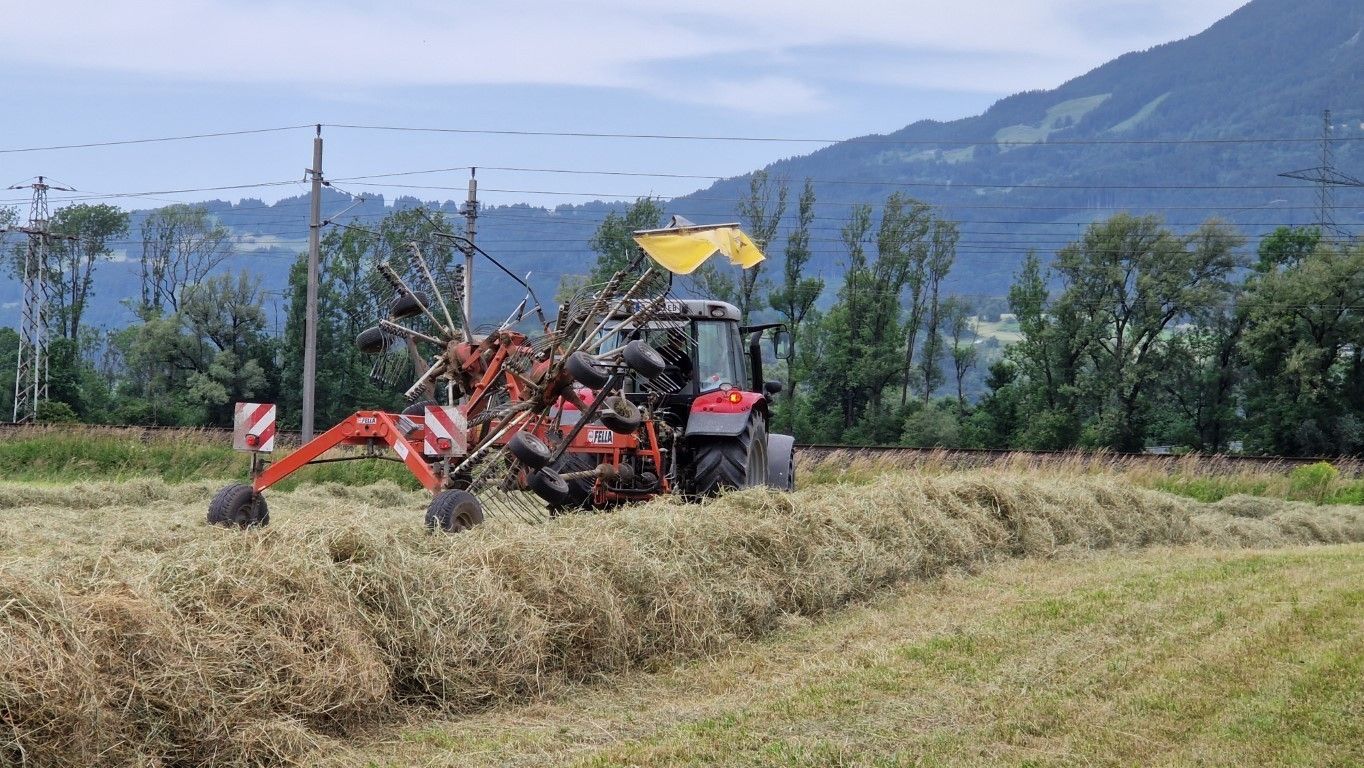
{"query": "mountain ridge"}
pixel 1154 131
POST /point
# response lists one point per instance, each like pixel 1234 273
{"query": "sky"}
pixel 93 72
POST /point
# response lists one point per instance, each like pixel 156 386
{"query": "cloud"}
pixel 759 95
pixel 352 45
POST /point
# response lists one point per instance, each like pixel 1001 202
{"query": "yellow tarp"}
pixel 683 252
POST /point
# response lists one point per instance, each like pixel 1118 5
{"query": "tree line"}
pixel 1132 336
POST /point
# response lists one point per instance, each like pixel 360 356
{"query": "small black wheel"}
pixel 549 485
pixel 643 359
pixel 408 305
pixel 585 370
pixel 372 341
pixel 529 450
pixel 418 408
pixel 238 506
pixel 620 415
pixel 454 511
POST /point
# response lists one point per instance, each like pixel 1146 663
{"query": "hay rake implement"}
pixel 628 394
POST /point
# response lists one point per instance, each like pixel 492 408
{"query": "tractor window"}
pixel 716 361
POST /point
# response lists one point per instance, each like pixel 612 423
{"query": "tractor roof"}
pixel 689 309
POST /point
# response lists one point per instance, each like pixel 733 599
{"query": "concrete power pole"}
pixel 470 231
pixel 310 313
pixel 30 378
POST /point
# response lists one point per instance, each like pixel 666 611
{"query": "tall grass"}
pixel 67 454
pixel 1203 478
pixel 146 638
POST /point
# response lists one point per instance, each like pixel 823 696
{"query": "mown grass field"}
pixel 1169 657
pixel 881 615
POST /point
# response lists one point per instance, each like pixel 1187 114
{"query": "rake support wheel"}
pixel 454 512
pixel 643 359
pixel 372 341
pixel 238 506
pixel 586 371
pixel 549 485
pixel 529 450
pixel 620 415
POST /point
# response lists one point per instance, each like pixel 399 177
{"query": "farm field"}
pixel 133 634
pixel 1185 656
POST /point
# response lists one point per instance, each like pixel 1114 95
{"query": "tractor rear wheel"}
pixel 454 511
pixel 238 506
pixel 723 463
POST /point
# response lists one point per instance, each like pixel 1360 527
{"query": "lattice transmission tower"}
pixel 31 371
pixel 1327 178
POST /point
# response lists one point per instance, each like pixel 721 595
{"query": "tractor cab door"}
pixel 719 355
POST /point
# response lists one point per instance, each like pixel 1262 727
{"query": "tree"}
pixel 942 251
pixel 70 270
pixel 614 240
pixel 1302 345
pixel 225 349
pixel 797 295
pixel 1126 282
pixel 958 320
pixel 760 215
pixel 181 245
pixel 905 224
pixel 861 333
pixel 351 299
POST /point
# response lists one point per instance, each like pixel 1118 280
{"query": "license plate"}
pixel 601 437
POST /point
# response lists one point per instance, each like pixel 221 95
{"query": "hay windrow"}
pixel 151 639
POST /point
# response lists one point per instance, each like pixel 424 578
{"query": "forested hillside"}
pixel 1159 131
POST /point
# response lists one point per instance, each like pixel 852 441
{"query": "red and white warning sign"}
pixel 447 432
pixel 253 427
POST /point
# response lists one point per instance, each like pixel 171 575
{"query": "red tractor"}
pixel 629 394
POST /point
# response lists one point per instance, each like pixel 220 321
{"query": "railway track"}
pixel 908 457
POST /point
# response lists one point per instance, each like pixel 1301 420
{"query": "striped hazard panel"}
pixel 253 427
pixel 447 433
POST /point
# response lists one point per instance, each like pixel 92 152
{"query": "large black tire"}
pixel 585 370
pixel 408 305
pixel 529 450
pixel 454 511
pixel 724 463
pixel 781 462
pixel 620 415
pixel 238 506
pixel 373 341
pixel 643 359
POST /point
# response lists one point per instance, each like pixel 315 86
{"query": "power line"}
pixel 808 140
pixel 124 142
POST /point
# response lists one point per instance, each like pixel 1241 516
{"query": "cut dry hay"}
pixel 198 646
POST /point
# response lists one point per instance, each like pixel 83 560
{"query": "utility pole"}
pixel 31 370
pixel 310 313
pixel 1325 176
pixel 470 232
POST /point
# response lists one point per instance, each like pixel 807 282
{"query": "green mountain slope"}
pixel 1157 131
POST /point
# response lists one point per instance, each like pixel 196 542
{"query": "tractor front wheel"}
pixel 722 463
pixel 238 506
